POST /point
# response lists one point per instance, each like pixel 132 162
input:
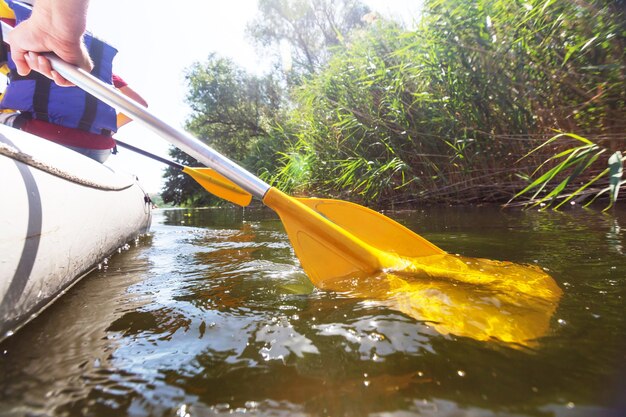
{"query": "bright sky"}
pixel 157 40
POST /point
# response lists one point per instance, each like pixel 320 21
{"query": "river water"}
pixel 210 314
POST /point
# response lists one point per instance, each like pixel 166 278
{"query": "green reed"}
pixel 443 113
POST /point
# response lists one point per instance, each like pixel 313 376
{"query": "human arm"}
pixel 54 26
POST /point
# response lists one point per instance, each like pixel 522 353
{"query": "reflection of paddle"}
pixel 333 239
pixel 210 180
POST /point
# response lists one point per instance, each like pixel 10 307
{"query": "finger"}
pixel 44 66
pixel 21 64
pixel 86 62
pixel 34 61
pixel 58 78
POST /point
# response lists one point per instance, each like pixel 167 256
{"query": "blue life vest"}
pixel 71 107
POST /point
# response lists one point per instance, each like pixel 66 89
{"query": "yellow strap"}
pixel 5 11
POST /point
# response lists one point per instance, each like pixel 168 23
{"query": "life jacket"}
pixel 7 16
pixel 71 107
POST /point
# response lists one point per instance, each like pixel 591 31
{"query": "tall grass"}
pixel 444 113
pixel 574 167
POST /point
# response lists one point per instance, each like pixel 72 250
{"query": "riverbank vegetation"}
pixel 481 102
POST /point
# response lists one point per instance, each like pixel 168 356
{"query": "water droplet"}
pixel 222 407
pixel 460 373
pixel 251 404
pixel 366 383
pixel 182 411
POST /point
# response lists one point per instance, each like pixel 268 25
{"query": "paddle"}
pixel 331 238
pixel 210 180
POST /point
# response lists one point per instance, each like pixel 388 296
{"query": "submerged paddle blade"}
pixel 219 185
pixel 497 310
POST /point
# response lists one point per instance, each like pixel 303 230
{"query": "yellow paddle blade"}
pixel 344 239
pixel 481 312
pixel 372 227
pixel 472 311
pixel 500 276
pixel 478 298
pixel 219 185
pixel 346 247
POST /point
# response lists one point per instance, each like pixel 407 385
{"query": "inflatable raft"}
pixel 61 215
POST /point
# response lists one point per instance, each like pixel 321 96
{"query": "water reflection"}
pixel 62 362
pixel 614 236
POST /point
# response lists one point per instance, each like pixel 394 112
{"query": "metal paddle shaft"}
pixel 177 137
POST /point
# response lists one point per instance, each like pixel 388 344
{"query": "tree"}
pixel 310 28
pixel 182 190
pixel 232 111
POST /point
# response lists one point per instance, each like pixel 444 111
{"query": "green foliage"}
pixel 295 173
pixel 232 111
pixel 436 113
pixel 566 166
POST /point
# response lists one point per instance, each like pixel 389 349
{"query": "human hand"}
pixel 44 32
